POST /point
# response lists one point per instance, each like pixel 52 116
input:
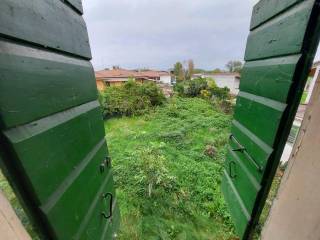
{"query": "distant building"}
pixel 118 76
pixel 223 79
pixel 158 76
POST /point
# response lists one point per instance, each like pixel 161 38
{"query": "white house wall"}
pixel 230 82
pixel 165 79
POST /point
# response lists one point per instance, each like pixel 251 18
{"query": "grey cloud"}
pixel 157 33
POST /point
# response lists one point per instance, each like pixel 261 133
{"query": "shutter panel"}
pixel 280 50
pixel 53 146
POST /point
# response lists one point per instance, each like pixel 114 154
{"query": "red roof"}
pixel 115 73
pixel 123 73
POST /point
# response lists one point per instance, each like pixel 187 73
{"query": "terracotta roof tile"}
pixel 123 73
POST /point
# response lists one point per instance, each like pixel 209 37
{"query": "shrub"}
pixel 205 94
pixel 202 87
pixel 191 88
pixel 207 88
pixel 153 177
pixel 195 86
pixel 225 105
pixel 179 88
pixel 130 99
pixel 221 93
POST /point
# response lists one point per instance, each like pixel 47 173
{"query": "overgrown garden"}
pixel 167 160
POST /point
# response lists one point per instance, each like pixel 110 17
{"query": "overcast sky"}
pixel 158 33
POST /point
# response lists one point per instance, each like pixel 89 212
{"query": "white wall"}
pixel 229 81
pixel 165 79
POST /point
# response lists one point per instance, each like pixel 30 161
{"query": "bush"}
pixel 152 175
pixel 130 99
pixel 221 93
pixel 202 87
pixel 192 88
pixel 207 88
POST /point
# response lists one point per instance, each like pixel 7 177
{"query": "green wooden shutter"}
pixel 53 146
pixel 280 50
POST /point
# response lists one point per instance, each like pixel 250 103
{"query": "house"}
pixel 118 76
pixel 159 76
pixel 223 79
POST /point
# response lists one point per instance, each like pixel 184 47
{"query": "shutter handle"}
pixel 232 174
pixel 104 196
pixel 243 150
pixel 106 162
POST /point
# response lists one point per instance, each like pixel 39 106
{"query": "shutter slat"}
pixel 271 78
pixel 283 35
pixel 44 82
pixel 50 24
pixel 237 209
pixel 244 182
pixel 266 9
pixel 50 158
pixel 259 115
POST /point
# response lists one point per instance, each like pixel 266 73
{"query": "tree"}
pixel 216 70
pixel 199 70
pixel 234 66
pixel 190 71
pixel 179 71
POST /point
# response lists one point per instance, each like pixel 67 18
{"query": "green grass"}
pixel 304 97
pixel 167 168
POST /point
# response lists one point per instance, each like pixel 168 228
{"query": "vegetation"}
pixel 234 66
pixel 190 70
pixel 200 70
pixel 304 97
pixel 130 99
pixel 167 166
pixel 181 73
pixel 206 88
